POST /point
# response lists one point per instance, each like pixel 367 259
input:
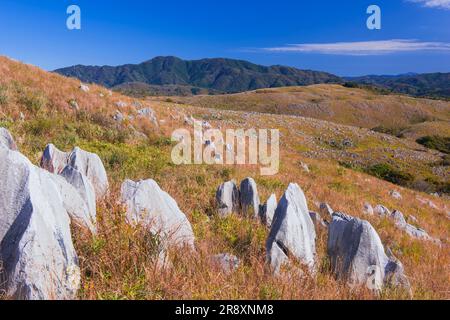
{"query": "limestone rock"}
pixel 86 191
pixel 305 167
pixel 121 104
pixel 368 209
pixel 395 194
pixel 382 211
pixel 74 105
pixel 292 235
pixel 357 254
pixel 119 117
pixel 92 167
pixel 36 251
pixel 149 114
pixel 87 163
pixel 53 159
pixel 411 230
pixel 227 198
pixel 147 204
pixel 267 210
pixel 249 197
pixel 84 88
pixel 6 139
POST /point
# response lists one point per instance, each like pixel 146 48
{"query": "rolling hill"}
pixel 335 103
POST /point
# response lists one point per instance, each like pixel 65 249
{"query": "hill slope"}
pixel 350 106
pixel 222 75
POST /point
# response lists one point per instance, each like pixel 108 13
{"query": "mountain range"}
pixel 419 85
pixel 171 76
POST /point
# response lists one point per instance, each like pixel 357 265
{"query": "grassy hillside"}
pixel 118 263
pixel 350 106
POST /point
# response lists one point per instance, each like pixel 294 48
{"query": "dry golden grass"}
pixel 120 262
pixel 356 107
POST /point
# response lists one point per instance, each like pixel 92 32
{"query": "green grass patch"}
pixel 387 172
pixel 439 143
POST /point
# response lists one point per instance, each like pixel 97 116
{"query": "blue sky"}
pixel 328 35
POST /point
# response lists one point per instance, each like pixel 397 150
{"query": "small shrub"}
pixel 350 165
pixel 446 160
pixel 39 126
pixel 270 184
pixel 201 180
pixel 386 172
pixel 439 143
pixel 159 141
pixel 393 131
pixel 419 118
pixel 226 173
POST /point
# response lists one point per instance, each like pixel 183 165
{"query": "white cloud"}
pixel 442 4
pixel 363 48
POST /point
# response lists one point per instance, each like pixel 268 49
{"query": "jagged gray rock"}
pixel 36 249
pixel 86 191
pixel 382 211
pixel 411 230
pixel 147 204
pixel 357 254
pixel 6 139
pixel 74 105
pixel 148 113
pixel 368 209
pixel 77 207
pixel 227 198
pixel 87 163
pixel 119 117
pixel 305 167
pixel 292 235
pixel 249 197
pixel 395 194
pixel 121 104
pixel 84 88
pixel 53 159
pixel 226 262
pixel 92 167
pixel 267 210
